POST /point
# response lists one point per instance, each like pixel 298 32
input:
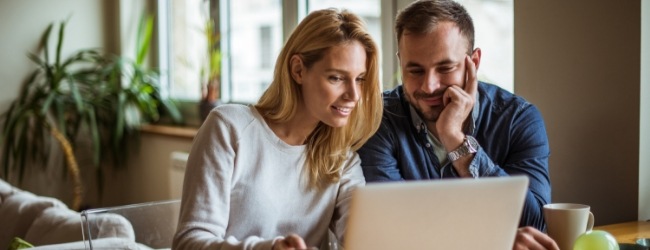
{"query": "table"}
pixel 627 232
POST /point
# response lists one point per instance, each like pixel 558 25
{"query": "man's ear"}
pixel 296 68
pixel 476 57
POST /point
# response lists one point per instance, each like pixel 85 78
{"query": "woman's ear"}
pixel 296 67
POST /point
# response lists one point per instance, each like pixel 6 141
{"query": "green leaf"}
pixel 94 134
pixel 34 58
pixel 20 152
pixel 145 30
pixel 59 44
pixel 43 43
pixel 25 87
pixel 120 123
pixel 172 110
pixel 76 96
pixel 48 101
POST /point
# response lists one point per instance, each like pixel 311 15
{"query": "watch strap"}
pixel 469 146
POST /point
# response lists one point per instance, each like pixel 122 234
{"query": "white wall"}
pixel 23 22
pixel 644 144
pixel 90 25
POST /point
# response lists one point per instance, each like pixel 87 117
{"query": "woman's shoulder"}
pixel 234 114
pixel 232 109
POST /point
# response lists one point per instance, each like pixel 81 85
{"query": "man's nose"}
pixel 431 82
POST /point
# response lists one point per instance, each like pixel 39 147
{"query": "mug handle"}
pixel 590 222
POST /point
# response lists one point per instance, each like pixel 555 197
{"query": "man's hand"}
pixel 290 242
pixel 458 103
pixel 529 238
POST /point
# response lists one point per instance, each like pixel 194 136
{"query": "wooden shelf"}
pixel 184 132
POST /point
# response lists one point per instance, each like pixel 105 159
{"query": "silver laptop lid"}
pixel 440 214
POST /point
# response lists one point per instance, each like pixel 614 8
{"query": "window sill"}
pixel 174 131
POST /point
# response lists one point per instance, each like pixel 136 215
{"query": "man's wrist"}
pixel 467 147
pixel 451 142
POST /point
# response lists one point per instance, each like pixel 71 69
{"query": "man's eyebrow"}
pixel 443 62
pixel 412 64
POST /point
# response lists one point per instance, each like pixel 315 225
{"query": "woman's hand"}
pixel 290 242
pixel 529 238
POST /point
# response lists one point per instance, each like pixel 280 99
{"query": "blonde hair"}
pixel 327 147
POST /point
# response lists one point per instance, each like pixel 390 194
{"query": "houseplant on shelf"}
pixel 104 98
pixel 210 72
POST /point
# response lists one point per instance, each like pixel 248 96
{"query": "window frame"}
pixel 292 12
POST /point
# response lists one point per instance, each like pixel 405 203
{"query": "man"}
pixel 442 123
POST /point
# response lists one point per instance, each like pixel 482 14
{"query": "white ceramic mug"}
pixel 566 221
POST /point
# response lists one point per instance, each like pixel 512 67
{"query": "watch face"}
pixel 472 144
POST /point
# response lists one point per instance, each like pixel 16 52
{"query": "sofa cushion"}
pixel 6 189
pixel 55 225
pixel 104 244
pixel 108 225
pixel 18 212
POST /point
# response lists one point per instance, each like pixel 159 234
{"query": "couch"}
pixel 48 223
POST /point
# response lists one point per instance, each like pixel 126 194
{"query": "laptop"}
pixel 436 214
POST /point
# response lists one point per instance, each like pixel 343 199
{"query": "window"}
pixel 494 34
pixel 188 48
pixel 266 56
pixel 368 10
pixel 252 33
pixel 253 30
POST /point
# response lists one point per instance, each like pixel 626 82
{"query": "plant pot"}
pixel 210 99
pixel 205 106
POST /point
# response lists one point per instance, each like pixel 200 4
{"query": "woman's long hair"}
pixel 327 147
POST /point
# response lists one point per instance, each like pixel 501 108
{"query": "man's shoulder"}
pixel 495 100
pixel 494 95
pixel 394 101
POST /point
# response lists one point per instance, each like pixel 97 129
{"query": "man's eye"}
pixel 446 69
pixel 415 72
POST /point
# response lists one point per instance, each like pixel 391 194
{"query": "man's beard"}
pixel 434 111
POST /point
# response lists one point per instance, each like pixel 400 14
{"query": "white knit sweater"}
pixel 245 187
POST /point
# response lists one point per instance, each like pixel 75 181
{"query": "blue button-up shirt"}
pixel 510 131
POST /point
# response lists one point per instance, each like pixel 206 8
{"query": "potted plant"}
pixel 210 72
pixel 105 98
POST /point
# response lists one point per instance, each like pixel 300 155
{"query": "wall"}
pixel 644 144
pixel 90 25
pixel 148 173
pixel 578 61
pixel 23 22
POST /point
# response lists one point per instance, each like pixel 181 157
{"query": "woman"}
pixel 279 174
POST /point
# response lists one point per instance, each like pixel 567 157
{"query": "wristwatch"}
pixel 469 146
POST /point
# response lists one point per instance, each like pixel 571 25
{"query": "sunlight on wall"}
pixel 644 134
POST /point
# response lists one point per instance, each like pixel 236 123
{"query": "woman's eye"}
pixel 336 78
pixel 360 80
